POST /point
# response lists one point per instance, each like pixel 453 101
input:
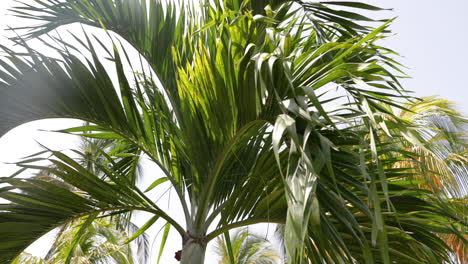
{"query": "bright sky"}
pixel 430 36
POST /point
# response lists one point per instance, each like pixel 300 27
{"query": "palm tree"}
pixel 267 111
pixel 443 158
pixel 440 162
pixel 247 248
pixel 99 241
pixel 27 258
pixel 444 154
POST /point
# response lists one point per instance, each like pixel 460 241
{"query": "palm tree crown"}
pixel 268 111
pixel 247 248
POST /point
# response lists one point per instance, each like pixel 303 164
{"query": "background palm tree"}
pixel 247 248
pixel 439 164
pixel 102 240
pixel 26 258
pixel 255 111
pixel 443 158
pixel 444 155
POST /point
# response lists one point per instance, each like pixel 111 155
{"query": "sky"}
pixel 430 36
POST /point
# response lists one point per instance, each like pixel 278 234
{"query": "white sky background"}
pixel 430 36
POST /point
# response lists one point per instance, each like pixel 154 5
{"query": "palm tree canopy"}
pixel 101 242
pixel 91 240
pixel 256 111
pixel 247 248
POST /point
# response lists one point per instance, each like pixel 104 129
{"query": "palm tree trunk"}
pixel 193 252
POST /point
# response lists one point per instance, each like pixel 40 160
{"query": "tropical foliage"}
pixel 101 241
pixel 246 248
pixel 255 111
pixel 442 165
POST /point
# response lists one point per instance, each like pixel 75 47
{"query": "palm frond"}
pixel 247 248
